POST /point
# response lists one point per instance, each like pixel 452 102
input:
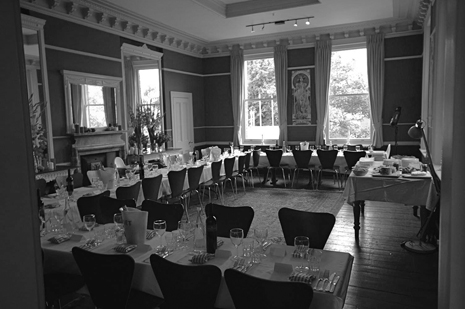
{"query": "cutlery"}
pixel 246 267
pixel 324 280
pixel 328 286
pixel 333 285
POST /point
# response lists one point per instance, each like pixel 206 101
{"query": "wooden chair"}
pixel 302 163
pixel 186 286
pixel 194 174
pixel 88 205
pixel 108 278
pixel 274 159
pixel 352 158
pixel 216 182
pixel 129 192
pixel 228 218
pixel 176 180
pixel 151 187
pixel 255 163
pixel 171 213
pixel 327 159
pixel 252 292
pixel 317 226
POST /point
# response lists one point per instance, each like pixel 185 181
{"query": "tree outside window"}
pixel 349 114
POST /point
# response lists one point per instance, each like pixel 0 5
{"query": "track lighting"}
pixel 295 23
pixel 281 22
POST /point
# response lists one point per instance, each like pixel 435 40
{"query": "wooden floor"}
pixel 384 275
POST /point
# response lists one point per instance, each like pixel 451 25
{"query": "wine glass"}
pixel 301 244
pixel 159 226
pixel 261 234
pixel 236 235
pixel 119 227
pixel 89 222
pixel 184 228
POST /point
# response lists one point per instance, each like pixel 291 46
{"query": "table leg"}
pixel 356 209
pixel 362 208
pixel 415 210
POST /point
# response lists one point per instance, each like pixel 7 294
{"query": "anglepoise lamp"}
pixel 393 123
pixel 419 246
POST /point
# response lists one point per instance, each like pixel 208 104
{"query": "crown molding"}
pixel 105 16
pixel 423 11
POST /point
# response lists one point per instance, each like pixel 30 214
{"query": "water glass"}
pixel 261 234
pixel 100 234
pixel 301 244
pixel 314 260
pixel 89 221
pixel 236 235
pixel 159 226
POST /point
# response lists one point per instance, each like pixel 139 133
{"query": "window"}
pixel 94 107
pixel 148 81
pixel 260 114
pixel 349 113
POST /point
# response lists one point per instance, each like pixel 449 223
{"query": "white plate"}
pixel 427 175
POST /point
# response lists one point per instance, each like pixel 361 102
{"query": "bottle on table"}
pixel 141 167
pixel 211 233
pixel 199 232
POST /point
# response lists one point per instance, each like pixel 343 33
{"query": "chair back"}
pixel 315 225
pixel 216 171
pixel 78 179
pixel 88 205
pixel 119 162
pixel 327 158
pixel 176 180
pixel 110 206
pixel 302 157
pixel 256 157
pixel 274 156
pixel 228 218
pixel 151 187
pixel 253 292
pixel 129 192
pixel 229 166
pixel 193 176
pixel 108 277
pixel 241 164
pixel 196 286
pixel 352 157
pixel 248 155
pixel 41 185
pixel 171 213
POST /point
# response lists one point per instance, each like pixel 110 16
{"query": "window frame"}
pixel 249 57
pixel 339 141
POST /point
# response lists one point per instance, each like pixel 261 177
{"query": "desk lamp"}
pixel 418 246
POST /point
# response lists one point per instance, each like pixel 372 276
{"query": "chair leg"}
pixel 284 177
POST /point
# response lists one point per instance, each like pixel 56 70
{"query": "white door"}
pixel 183 120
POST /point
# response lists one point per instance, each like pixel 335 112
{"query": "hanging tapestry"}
pixel 301 92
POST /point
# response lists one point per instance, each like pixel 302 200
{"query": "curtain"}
pixel 237 90
pixel 280 66
pixel 322 75
pixel 76 98
pixel 131 90
pixel 109 104
pixel 375 59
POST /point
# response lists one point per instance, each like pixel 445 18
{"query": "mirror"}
pixel 142 79
pixel 92 101
pixel 37 87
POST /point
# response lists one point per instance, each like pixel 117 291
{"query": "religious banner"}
pixel 301 93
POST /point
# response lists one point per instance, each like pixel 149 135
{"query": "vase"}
pixel 160 148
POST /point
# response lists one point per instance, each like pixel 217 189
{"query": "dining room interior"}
pixel 150 81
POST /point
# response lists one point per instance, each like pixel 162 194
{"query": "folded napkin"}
pixel 296 254
pixel 59 239
pixel 201 258
pixel 150 234
pixel 300 277
pixel 124 248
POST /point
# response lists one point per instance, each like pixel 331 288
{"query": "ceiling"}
pixel 225 20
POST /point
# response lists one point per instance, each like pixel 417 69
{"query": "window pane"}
pixel 349 114
pixel 95 94
pixel 260 107
pixel 149 86
pixel 96 116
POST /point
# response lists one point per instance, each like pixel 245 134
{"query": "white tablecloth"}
pixel 288 159
pixel 59 258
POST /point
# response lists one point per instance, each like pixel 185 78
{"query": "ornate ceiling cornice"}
pixel 104 16
pixel 423 11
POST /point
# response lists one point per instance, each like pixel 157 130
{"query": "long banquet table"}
pixel 404 189
pixel 288 159
pixel 58 257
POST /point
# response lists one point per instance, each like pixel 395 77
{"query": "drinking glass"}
pixel 301 244
pixel 184 228
pixel 357 148
pixel 89 222
pixel 119 228
pixel 236 235
pixel 159 226
pixel 314 259
pixel 59 217
pixel 261 234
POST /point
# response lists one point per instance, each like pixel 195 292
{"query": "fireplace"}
pixel 98 148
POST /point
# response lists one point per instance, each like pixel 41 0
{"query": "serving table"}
pixel 403 189
pixel 58 257
pixel 288 159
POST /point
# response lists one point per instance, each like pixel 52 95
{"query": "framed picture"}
pixel 301 112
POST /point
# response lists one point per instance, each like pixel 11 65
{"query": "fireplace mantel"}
pixel 97 142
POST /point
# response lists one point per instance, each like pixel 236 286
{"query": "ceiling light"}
pixel 295 23
pixel 252 30
pixel 307 22
pixel 281 22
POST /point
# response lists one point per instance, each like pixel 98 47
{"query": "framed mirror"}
pixel 92 101
pixel 142 79
pixel 37 87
